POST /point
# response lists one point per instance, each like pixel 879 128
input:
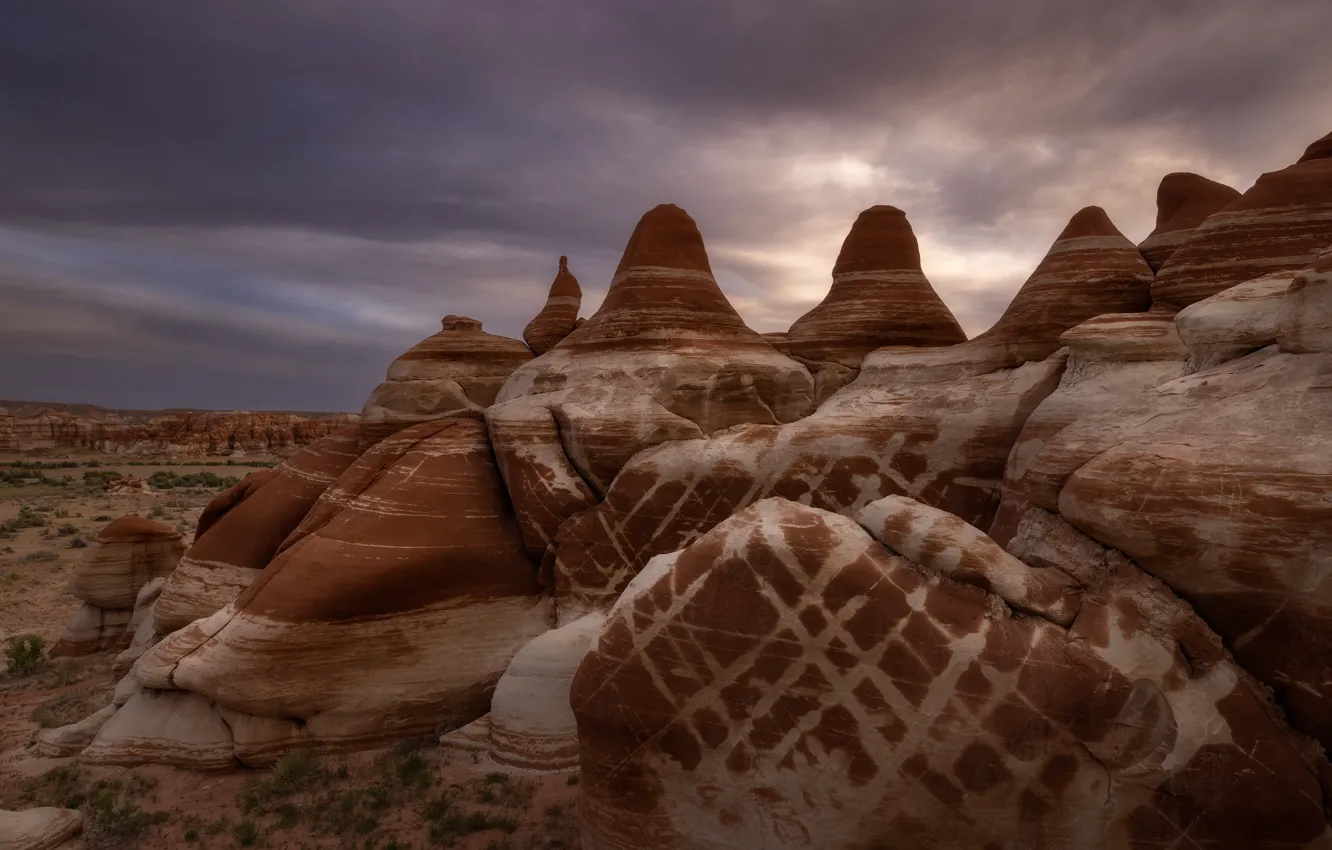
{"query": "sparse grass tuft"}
pixel 24 654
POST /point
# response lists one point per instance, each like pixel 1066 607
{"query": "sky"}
pixel 257 204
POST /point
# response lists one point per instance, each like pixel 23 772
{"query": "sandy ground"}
pixel 413 795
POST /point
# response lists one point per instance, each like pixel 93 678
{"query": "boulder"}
pixel 71 740
pixel 666 357
pixel 1232 322
pixel 1304 323
pixel 879 297
pixel 1277 227
pixel 790 679
pixel 559 315
pixel 44 828
pixel 247 524
pixel 455 372
pixel 1183 201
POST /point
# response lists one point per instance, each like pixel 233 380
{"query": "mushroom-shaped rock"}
pixel 787 680
pixel 44 828
pixel 1112 359
pixel 1304 323
pixel 1183 201
pixel 1216 483
pixel 558 317
pixel 879 297
pixel 127 554
pixel 1278 226
pixel 531 724
pixel 666 357
pixel 393 608
pixel 455 372
pixel 248 523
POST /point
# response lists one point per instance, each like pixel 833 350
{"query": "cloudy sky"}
pixel 259 203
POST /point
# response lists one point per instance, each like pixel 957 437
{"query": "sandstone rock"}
pixel 1232 322
pixel 164 727
pixel 531 724
pixel 788 681
pixel 1277 227
pixel 38 829
pixel 391 610
pixel 1217 484
pixel 1183 201
pixel 472 738
pixel 247 527
pixel 879 297
pixel 456 372
pixel 1304 323
pixel 91 629
pixel 558 317
pixel 223 502
pixel 666 357
pixel 70 740
pixel 140 633
pixel 127 553
pixel 1112 359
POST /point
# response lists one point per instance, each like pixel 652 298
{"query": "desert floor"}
pixel 414 794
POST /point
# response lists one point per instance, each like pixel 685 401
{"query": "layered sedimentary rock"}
pixel 184 434
pixel 666 357
pixel 1232 322
pixel 789 680
pixel 934 424
pixel 1304 322
pixel 391 610
pixel 455 372
pixel 1183 201
pixel 70 740
pixel 879 297
pixel 245 525
pixel 1217 484
pixel 559 315
pixel 127 554
pixel 39 829
pixel 1111 359
pixel 140 632
pixel 531 725
pixel 1278 226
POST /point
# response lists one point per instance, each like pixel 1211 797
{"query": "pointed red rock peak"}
pixel 1321 149
pixel 666 237
pixel 881 239
pixel 565 284
pixel 1183 201
pixel 558 317
pixel 1089 221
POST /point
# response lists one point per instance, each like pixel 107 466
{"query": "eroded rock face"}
pixel 455 372
pixel 1232 322
pixel 393 609
pixel 558 317
pixel 1183 201
pixel 245 525
pixel 43 828
pixel 879 297
pixel 1277 227
pixel 1304 322
pixel 666 357
pixel 1111 359
pixel 127 554
pixel 789 680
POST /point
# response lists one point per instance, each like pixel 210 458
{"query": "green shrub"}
pixel 39 557
pixel 24 654
pixel 78 543
pixel 66 529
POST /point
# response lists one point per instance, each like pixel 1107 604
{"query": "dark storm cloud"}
pixel 354 170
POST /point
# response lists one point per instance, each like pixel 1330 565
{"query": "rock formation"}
pixel 127 554
pixel 558 317
pixel 879 297
pixel 1183 201
pixel 391 610
pixel 789 680
pixel 666 357
pixel 1304 322
pixel 44 428
pixel 1278 226
pixel 44 828
pixel 1232 322
pixel 455 372
pixel 243 527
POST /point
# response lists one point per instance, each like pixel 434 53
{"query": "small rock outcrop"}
pixel 559 315
pixel 127 554
pixel 1183 201
pixel 1277 227
pixel 44 828
pixel 455 372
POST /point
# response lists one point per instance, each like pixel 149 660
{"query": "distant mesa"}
pixel 1183 201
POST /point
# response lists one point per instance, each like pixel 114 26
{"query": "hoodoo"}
pixel 1183 201
pixel 558 317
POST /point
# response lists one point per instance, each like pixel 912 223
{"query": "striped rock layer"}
pixel 1112 359
pixel 392 609
pixel 879 297
pixel 666 357
pixel 455 372
pixel 559 315
pixel 1304 322
pixel 1183 201
pixel 43 828
pixel 1216 483
pixel 1278 226
pixel 1232 322
pixel 939 431
pixel 128 553
pixel 792 680
pixel 246 525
